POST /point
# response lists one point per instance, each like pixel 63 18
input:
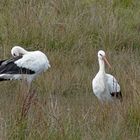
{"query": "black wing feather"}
pixel 117 95
pixel 1 61
pixel 9 67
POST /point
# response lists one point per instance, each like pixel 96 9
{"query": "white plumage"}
pixel 105 86
pixel 25 65
pixel 36 61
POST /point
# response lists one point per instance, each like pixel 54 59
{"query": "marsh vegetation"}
pixel 62 105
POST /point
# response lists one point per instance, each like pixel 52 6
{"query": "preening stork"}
pixel 24 65
pixel 105 86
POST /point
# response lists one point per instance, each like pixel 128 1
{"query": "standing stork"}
pixel 24 65
pixel 104 85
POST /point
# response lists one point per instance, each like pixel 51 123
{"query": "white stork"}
pixel 24 65
pixel 104 85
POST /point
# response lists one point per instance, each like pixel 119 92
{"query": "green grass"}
pixel 71 32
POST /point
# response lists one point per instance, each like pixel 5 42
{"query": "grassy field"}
pixel 61 105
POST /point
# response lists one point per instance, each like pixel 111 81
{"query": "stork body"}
pixel 105 86
pixel 25 65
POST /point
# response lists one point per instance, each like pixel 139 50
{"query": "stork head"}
pixel 18 51
pixel 102 56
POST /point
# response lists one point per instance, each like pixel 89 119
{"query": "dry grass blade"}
pixel 28 101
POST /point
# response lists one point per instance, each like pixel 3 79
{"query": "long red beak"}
pixel 106 61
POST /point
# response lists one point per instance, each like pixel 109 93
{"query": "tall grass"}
pixel 61 105
pixel 65 24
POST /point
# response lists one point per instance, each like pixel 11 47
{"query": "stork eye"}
pixel 14 54
pixel 101 55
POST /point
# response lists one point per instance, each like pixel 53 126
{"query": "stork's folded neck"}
pixel 22 51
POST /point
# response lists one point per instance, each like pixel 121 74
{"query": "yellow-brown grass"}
pixel 65 107
pixel 61 105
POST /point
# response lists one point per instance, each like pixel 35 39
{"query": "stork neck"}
pixel 101 65
pixel 22 51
